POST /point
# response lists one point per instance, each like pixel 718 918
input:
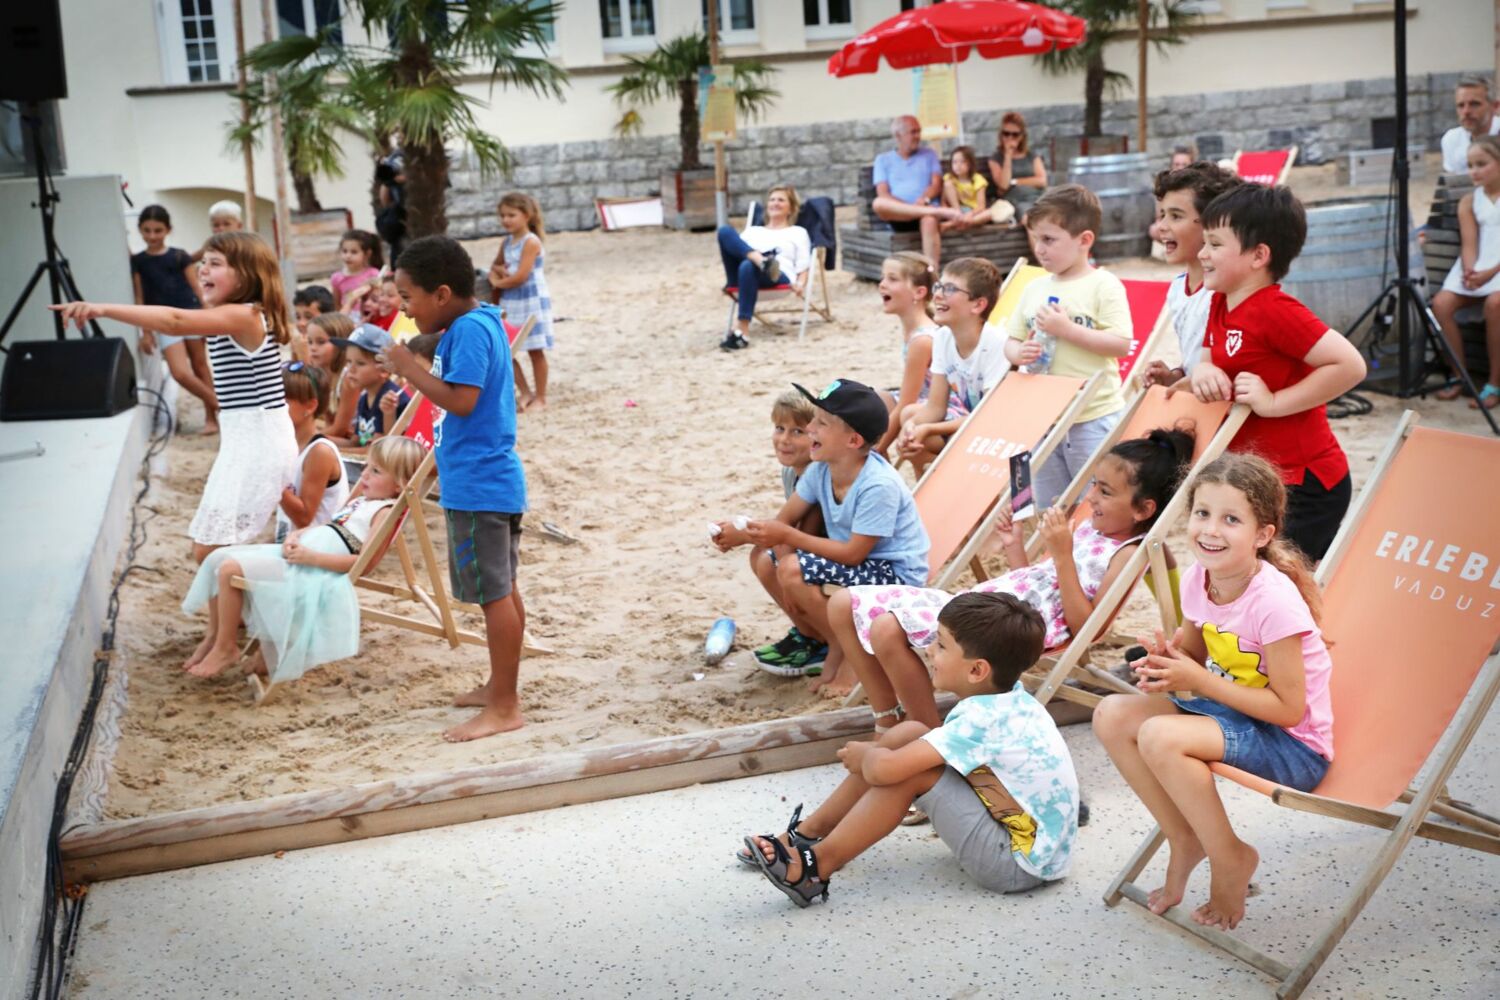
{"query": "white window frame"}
pixel 729 36
pixel 539 51
pixel 309 16
pixel 173 44
pixel 630 42
pixel 823 29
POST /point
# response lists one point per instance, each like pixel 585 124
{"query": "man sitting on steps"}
pixel 908 179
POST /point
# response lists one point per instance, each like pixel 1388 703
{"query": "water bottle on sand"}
pixel 1043 364
pixel 720 638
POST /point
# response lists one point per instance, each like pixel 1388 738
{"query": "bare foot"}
pixel 199 652
pixel 838 687
pixel 1229 885
pixel 1448 392
pixel 256 664
pixel 477 698
pixel 1181 861
pixel 486 723
pixel 537 403
pixel 210 428
pixel 214 663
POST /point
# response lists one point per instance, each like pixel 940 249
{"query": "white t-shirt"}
pixel 1189 314
pixel 791 243
pixel 1456 147
pixel 971 377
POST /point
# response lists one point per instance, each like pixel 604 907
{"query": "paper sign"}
pixel 1022 498
pixel 716 103
pixel 935 94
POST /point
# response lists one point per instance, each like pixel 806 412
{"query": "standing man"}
pixel 1476 117
pixel 907 180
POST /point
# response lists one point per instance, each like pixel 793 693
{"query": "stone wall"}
pixel 1325 119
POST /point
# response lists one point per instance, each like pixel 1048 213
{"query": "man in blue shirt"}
pixel 484 486
pixel 908 180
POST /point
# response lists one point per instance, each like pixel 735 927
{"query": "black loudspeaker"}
pixel 31 51
pixel 64 379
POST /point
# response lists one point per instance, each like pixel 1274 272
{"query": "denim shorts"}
pixel 1261 748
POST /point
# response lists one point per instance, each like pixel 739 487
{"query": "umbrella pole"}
pixel 1143 17
pixel 721 192
pixel 958 101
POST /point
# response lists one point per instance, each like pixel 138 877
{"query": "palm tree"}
pixel 673 68
pixel 313 116
pixel 410 85
pixel 1111 21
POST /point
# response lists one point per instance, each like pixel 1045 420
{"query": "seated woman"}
pixel 773 255
pixel 1020 176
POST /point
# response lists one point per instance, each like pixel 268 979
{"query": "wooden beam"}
pixel 1245 953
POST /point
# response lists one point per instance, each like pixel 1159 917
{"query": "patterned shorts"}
pixel 817 570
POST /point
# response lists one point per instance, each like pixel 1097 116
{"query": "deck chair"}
pixel 1269 167
pixel 1148 300
pixel 812 299
pixel 1383 567
pixel 1017 278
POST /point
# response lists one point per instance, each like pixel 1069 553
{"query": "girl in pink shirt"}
pixel 360 253
pixel 1252 657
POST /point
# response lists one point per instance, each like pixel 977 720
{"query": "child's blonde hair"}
pixel 526 204
pixel 338 326
pixel 793 406
pixel 1259 482
pixel 1071 206
pixel 918 270
pixel 982 279
pixel 226 210
pixel 1489 143
pixel 794 201
pixel 397 455
pixel 260 277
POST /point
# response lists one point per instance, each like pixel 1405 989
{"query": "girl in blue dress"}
pixel 520 290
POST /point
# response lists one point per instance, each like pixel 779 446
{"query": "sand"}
pixel 651 432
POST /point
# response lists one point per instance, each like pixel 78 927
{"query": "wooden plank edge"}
pixel 149 859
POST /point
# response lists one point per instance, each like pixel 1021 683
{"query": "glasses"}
pixel 949 288
pixel 1010 133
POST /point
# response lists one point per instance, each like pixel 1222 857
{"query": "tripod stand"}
pixel 1411 315
pixel 54 265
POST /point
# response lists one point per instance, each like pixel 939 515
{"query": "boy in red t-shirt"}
pixel 1267 349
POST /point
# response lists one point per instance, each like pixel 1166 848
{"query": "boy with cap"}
pixel 875 535
pixel 381 400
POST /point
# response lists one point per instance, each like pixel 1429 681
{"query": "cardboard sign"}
pixel 716 94
pixel 935 94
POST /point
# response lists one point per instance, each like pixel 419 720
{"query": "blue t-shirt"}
pixel 877 503
pixel 907 177
pixel 476 455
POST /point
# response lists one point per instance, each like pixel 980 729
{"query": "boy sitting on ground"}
pixel 381 400
pixel 874 532
pixel 995 777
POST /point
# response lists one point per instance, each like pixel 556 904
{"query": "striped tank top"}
pixel 246 381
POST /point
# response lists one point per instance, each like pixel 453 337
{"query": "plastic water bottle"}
pixel 720 638
pixel 1043 364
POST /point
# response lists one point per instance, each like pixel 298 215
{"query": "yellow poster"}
pixel 936 96
pixel 716 103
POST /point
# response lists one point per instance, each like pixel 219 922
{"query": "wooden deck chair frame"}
pixel 1286 168
pixel 1429 812
pixel 1014 274
pixel 808 301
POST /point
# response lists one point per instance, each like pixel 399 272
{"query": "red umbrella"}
pixel 947 32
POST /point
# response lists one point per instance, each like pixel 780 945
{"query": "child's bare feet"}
pixel 214 663
pixel 537 403
pixel 210 427
pixel 1228 887
pixel 256 664
pixel 477 698
pixel 199 651
pixel 1181 861
pixel 486 723
pixel 837 686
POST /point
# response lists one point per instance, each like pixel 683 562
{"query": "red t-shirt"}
pixel 1269 334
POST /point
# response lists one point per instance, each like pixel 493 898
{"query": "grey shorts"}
pixel 484 552
pixel 981 845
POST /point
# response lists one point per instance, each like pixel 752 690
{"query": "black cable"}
pixel 56 949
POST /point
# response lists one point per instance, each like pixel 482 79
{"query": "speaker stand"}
pixel 54 265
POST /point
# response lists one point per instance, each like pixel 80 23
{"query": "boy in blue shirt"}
pixel 484 486
pixel 996 776
pixel 874 532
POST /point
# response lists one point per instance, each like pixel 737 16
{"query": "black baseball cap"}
pixel 856 404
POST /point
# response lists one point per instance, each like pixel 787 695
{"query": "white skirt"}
pixel 257 460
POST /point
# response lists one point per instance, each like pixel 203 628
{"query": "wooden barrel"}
pixel 1123 184
pixel 1347 260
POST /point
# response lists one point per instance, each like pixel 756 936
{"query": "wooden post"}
pixel 1143 18
pixel 721 185
pixel 278 150
pixel 248 147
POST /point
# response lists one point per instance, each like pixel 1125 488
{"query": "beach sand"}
pixel 651 432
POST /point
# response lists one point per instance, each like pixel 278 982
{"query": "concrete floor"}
pixel 639 897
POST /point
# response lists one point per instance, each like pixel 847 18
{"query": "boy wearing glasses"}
pixel 968 359
pixel 1073 322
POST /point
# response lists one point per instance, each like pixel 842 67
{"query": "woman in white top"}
pixel 774 255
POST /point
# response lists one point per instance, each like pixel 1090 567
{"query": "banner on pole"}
pixel 716 103
pixel 935 96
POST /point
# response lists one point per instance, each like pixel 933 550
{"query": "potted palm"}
pixel 672 69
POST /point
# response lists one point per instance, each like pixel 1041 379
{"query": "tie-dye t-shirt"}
pixel 1013 736
pixel 1236 635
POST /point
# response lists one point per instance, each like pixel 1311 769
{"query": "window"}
pixel 200 41
pixel 195 40
pixel 912 4
pixel 627 24
pixel 736 20
pixel 303 17
pixel 828 18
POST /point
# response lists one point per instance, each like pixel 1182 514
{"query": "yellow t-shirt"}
pixel 970 192
pixel 1096 300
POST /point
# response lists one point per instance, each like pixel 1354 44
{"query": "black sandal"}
pixel 803 891
pixel 747 856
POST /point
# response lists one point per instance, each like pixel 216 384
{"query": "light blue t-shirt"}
pixel 1014 737
pixel 908 177
pixel 476 455
pixel 879 504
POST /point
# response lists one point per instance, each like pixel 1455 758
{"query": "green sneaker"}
pixel 806 660
pixel 778 651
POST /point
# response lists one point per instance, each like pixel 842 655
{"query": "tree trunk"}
pixel 1093 95
pixel 687 119
pixel 302 184
pixel 426 189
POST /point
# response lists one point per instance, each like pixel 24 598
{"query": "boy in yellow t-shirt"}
pixel 1073 322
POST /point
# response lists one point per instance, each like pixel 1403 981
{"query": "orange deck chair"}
pixel 1269 167
pixel 1409 605
pixel 1148 319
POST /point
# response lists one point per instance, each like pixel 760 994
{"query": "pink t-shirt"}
pixel 343 283
pixel 1236 634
